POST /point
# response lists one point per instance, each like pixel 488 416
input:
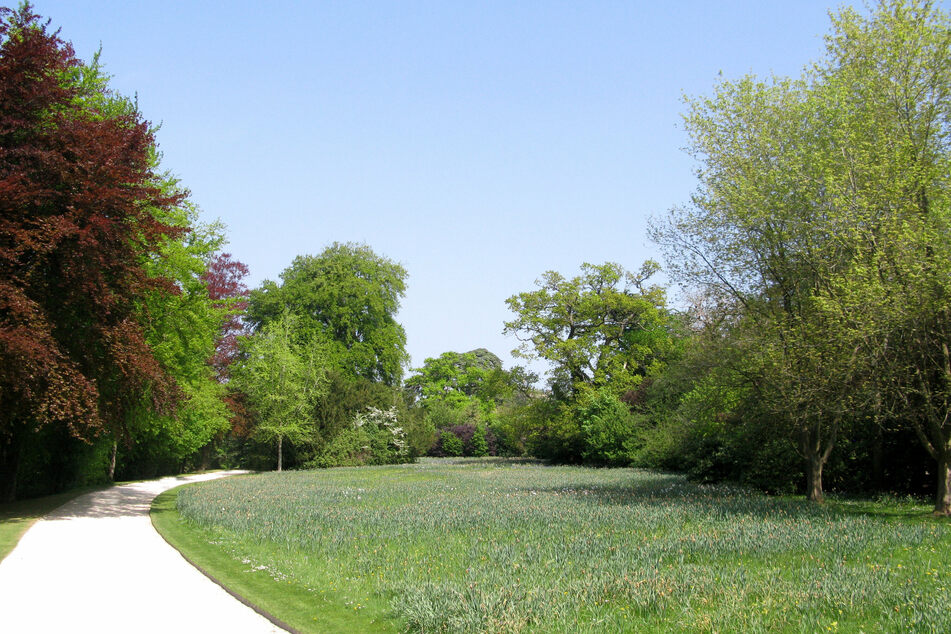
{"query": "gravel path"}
pixel 97 565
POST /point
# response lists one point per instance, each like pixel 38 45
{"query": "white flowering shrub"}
pixel 374 437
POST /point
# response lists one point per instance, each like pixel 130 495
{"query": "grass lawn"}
pixel 17 517
pixel 470 546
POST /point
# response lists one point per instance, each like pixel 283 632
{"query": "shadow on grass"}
pixel 675 492
pixel 485 461
pixel 905 510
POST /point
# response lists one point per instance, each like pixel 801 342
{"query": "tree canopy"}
pixel 603 327
pixel 348 296
pixel 80 212
pixel 820 231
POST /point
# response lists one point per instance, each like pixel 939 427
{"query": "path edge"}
pixel 270 617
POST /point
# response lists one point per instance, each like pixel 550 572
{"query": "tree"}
pixel 224 278
pixel 282 379
pixel 819 227
pixel 602 328
pixel 897 67
pixel 347 296
pixel 182 330
pixel 77 195
pixel 453 377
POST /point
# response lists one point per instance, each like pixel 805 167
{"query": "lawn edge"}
pixel 244 600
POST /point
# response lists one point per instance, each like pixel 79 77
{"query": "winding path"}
pixel 96 565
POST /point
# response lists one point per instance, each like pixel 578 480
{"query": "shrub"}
pixel 608 430
pixel 373 438
pixel 449 444
pixel 480 444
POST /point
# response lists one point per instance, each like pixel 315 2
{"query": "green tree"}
pixel 281 379
pixel 896 68
pixel 347 296
pixel 602 328
pixel 817 227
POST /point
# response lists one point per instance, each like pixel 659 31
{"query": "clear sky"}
pixel 477 143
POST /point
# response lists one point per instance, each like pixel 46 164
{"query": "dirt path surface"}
pixel 97 565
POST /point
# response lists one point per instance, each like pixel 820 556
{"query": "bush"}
pixel 465 440
pixel 373 438
pixel 449 444
pixel 608 430
pixel 480 444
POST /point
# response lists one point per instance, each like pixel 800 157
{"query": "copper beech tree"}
pixel 77 202
pixel 226 288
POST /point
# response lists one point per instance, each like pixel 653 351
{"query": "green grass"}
pixel 472 546
pixel 17 517
pixel 292 603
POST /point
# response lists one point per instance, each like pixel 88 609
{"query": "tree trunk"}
pixel 9 468
pixel 280 455
pixel 112 461
pixel 814 478
pixel 942 505
pixel 205 457
pixel 878 458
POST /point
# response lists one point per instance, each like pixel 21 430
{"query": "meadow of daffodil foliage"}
pixel 500 546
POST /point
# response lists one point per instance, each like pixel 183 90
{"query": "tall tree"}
pixel 604 327
pixel 182 330
pixel 348 296
pixel 821 224
pixel 895 68
pixel 77 194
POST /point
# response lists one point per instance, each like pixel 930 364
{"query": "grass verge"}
pixel 292 605
pixel 17 517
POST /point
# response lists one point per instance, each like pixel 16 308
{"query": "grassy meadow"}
pixel 497 546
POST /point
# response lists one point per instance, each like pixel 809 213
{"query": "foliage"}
pixel 347 296
pixel 182 330
pixel 608 428
pixel 79 202
pixel 569 549
pixel 453 378
pixel 374 438
pixel 602 328
pixel 282 379
pixel 450 444
pixel 480 442
pixel 818 233
pixel 224 279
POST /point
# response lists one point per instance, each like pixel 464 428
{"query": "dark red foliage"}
pixel 76 194
pixel 225 280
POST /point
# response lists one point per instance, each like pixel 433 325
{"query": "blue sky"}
pixel 477 143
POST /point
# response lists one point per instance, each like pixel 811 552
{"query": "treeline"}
pixel 113 297
pixel 818 256
pixel 813 350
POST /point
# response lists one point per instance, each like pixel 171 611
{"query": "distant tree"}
pixel 348 296
pixel 602 328
pixel 77 222
pixel 453 377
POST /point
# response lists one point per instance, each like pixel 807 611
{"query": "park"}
pixel 744 426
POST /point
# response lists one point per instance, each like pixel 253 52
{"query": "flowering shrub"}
pixel 373 438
